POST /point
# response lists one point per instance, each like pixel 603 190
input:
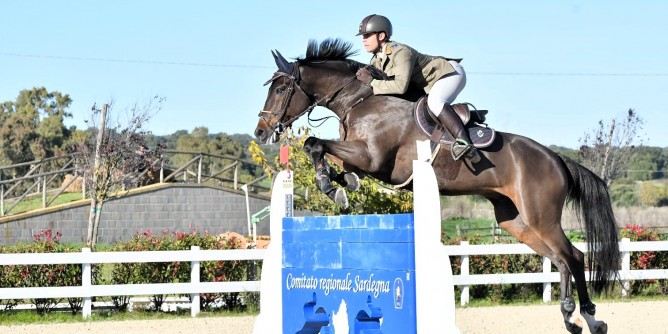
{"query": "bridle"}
pixel 294 78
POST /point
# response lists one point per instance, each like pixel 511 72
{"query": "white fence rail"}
pixel 195 256
pixel 547 277
pixel 87 290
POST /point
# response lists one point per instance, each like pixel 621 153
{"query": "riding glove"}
pixel 364 76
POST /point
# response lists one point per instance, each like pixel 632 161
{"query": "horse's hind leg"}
pixel 542 213
pixel 509 219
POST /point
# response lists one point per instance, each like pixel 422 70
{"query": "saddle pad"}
pixel 481 135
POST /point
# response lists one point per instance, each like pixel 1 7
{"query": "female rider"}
pixel 441 78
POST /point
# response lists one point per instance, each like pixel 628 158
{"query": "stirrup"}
pixel 461 147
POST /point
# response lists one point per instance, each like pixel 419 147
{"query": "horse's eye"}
pixel 280 90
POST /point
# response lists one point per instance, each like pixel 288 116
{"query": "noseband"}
pixel 281 114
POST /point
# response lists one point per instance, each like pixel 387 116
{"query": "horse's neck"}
pixel 342 102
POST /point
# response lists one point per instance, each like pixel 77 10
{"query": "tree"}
pixel 647 163
pixel 116 158
pixel 609 151
pixel 32 126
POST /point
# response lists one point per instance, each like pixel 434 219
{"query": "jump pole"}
pixel 428 274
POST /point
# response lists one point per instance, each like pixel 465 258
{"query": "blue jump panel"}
pixel 349 274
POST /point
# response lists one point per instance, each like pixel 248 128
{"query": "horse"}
pixel 527 183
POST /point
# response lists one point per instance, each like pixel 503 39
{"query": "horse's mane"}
pixel 328 49
pixel 337 50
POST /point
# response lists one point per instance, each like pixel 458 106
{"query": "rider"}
pixel 442 78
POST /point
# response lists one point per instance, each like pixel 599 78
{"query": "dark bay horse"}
pixel 527 183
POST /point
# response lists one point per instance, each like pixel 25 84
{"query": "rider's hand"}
pixel 364 76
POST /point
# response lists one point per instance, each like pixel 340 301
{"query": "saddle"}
pixel 473 119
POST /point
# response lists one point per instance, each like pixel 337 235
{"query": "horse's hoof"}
pixel 340 198
pixel 352 181
pixel 601 328
pixel 574 327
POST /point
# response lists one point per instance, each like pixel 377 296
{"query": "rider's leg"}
pixel 462 144
pixel 442 94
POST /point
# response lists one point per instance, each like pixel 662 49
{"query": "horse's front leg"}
pixel 325 174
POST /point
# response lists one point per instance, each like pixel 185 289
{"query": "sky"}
pixel 548 70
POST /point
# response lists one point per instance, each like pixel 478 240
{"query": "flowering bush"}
pixel 179 272
pixel 500 264
pixel 45 241
pixel 527 263
pixel 646 260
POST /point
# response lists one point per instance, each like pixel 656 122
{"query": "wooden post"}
pixel 236 176
pixel 162 170
pixel 43 180
pixel 199 170
pixel 194 278
pixel 626 267
pixel 86 277
pixel 2 197
pixel 464 299
pixel 93 219
pixel 547 286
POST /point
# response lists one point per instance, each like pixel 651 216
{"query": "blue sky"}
pixel 549 70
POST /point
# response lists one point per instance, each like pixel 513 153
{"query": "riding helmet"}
pixel 375 23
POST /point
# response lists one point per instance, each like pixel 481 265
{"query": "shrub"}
pixel 646 260
pixel 45 241
pixel 500 264
pixel 653 193
pixel 179 272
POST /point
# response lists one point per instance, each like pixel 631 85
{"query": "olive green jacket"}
pixel 407 66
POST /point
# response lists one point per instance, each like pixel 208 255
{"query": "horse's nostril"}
pixel 260 134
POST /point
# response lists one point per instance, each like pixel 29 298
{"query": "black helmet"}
pixel 375 23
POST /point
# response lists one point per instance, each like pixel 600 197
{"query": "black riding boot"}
pixel 462 146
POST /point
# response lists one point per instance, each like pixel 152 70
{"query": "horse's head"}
pixel 318 79
pixel 286 101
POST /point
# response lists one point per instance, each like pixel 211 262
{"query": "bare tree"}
pixel 609 151
pixel 116 158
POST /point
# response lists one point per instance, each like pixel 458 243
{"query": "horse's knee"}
pixel 311 143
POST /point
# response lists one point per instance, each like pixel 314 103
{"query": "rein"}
pixel 321 102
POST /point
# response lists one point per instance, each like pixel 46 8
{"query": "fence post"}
pixel 83 185
pixel 199 169
pixel 43 180
pixel 236 176
pixel 547 286
pixel 626 266
pixel 162 170
pixel 86 277
pixel 2 199
pixel 194 279
pixel 464 299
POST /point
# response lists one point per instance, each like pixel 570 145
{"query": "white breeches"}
pixel 446 89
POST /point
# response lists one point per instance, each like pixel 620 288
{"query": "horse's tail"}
pixel 589 196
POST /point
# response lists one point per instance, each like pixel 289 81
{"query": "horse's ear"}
pixel 282 63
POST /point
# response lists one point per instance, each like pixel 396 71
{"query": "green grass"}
pixel 31 317
pixel 449 227
pixel 555 301
pixel 36 203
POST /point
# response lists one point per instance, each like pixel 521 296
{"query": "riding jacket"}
pixel 407 66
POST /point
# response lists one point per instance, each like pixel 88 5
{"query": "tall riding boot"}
pixel 462 146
